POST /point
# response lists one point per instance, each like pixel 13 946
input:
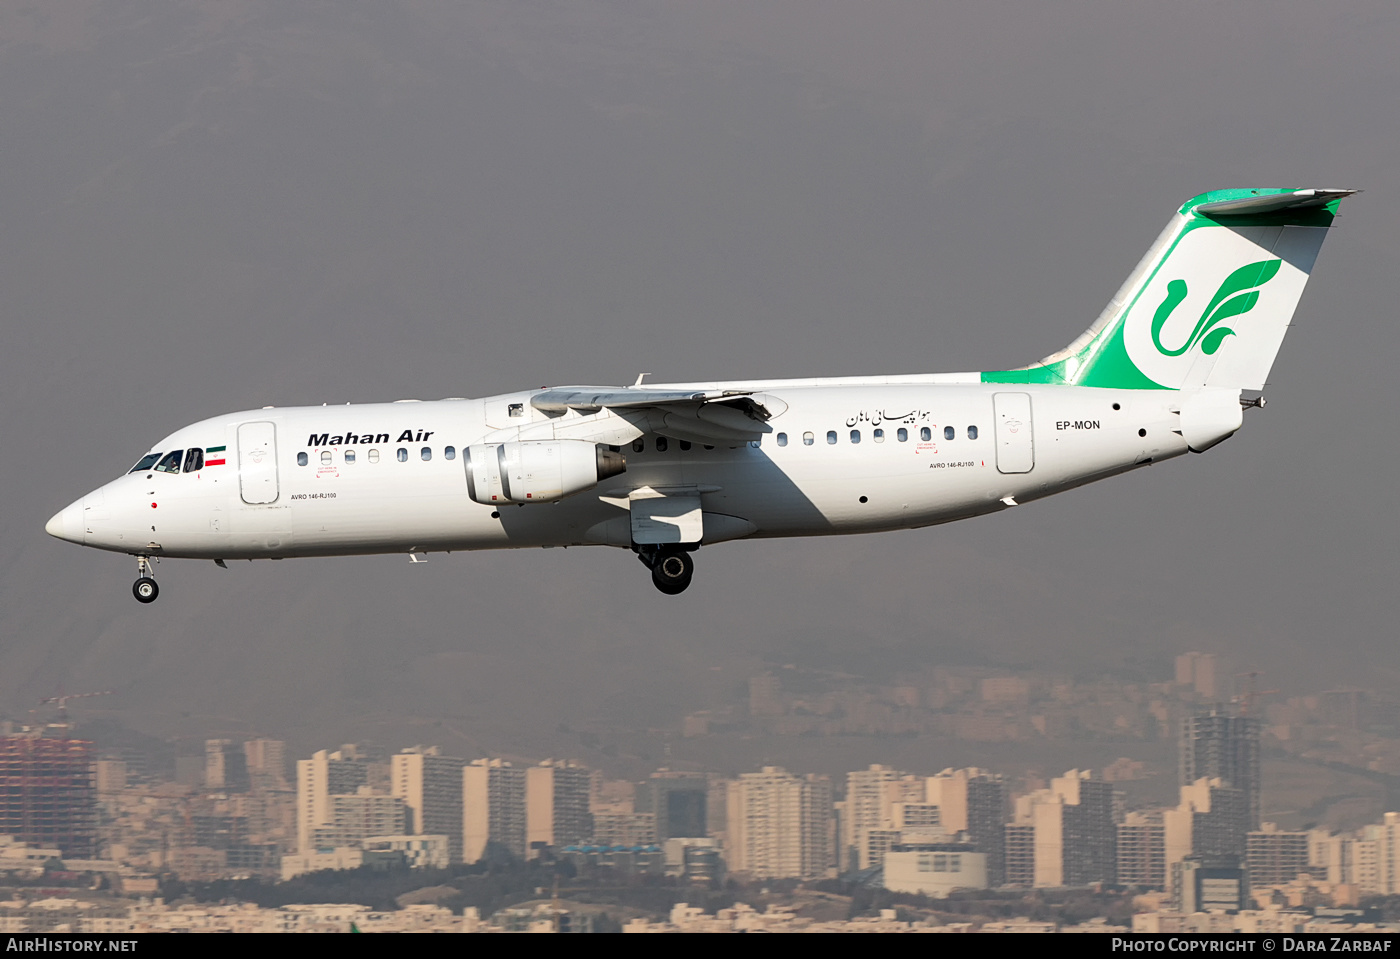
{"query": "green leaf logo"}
pixel 1236 296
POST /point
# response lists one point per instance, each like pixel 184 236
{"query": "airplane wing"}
pixel 700 416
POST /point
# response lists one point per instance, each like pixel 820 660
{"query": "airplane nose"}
pixel 67 524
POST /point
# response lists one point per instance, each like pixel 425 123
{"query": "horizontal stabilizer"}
pixel 1272 203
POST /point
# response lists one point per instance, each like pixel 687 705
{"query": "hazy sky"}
pixel 207 207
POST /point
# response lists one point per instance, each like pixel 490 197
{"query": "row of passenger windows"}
pixel 810 438
pixel 175 461
pixel 425 454
pixel 191 460
pixel 878 435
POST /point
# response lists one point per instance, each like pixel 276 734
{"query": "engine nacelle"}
pixel 537 472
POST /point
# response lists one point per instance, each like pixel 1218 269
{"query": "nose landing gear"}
pixel 144 589
pixel 671 567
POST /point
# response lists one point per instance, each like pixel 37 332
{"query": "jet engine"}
pixel 537 472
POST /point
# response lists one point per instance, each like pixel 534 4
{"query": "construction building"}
pixel 1217 745
pixel 48 796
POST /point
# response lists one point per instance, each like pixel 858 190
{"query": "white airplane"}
pixel 1169 366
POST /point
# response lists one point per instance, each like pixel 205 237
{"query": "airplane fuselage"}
pixel 847 456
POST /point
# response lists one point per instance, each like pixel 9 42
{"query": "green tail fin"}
pixel 1209 304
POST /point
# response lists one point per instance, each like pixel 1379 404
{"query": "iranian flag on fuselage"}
pixel 214 456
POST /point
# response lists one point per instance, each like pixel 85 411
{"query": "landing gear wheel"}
pixel 145 590
pixel 672 572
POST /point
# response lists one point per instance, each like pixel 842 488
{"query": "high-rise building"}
pixel 1076 835
pixel 225 767
pixel 355 818
pixel 624 829
pixel 1377 854
pixel 680 802
pixel 779 825
pixel 493 809
pixel 430 785
pixel 1142 851
pixel 266 760
pixel 1206 673
pixel 324 775
pixel 974 801
pixel 1216 745
pixel 557 804
pixel 1331 858
pixel 867 806
pixel 47 796
pixel 1212 820
pixel 110 775
pixel 1020 854
pixel 1275 856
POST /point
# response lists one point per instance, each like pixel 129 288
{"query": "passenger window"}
pixel 949 432
pixel 302 459
pixel 374 456
pixel 902 434
pixel 831 437
pixel 426 453
pixel 782 439
pixel 925 434
pixel 170 462
pixel 349 456
pixel 972 432
pixel 403 455
pixel 755 444
pixel 639 446
pixel 808 439
pixel 685 445
pixel 145 462
pixel 450 453
pixel 325 457
pixel 661 444
pixel 194 461
pixel 879 436
pixel 855 436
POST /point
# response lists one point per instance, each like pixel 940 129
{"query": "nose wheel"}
pixel 144 589
pixel 671 569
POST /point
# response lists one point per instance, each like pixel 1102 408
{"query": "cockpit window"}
pixel 170 462
pixel 146 463
pixel 194 461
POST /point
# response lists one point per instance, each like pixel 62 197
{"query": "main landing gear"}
pixel 671 566
pixel 144 589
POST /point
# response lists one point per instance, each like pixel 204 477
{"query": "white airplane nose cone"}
pixel 67 524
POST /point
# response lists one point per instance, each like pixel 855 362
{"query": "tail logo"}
pixel 1235 297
